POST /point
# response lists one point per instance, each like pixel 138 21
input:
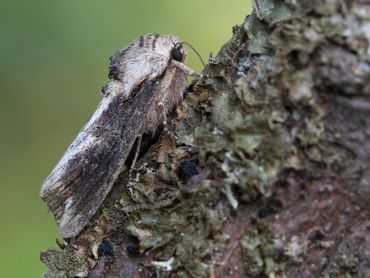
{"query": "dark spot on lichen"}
pixel 187 169
pixel 319 235
pixel 133 249
pixel 295 59
pixel 105 248
pixel 282 183
pixel 274 205
pixel 263 212
pixel 233 212
pixel 253 220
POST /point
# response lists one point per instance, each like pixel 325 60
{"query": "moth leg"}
pixel 185 68
pixel 137 152
pixel 166 130
pixel 63 244
pixel 165 125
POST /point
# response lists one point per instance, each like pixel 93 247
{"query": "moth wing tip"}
pixel 68 232
pixel 69 228
pixel 71 224
pixel 43 190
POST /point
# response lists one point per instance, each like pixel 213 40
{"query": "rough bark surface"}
pixel 265 172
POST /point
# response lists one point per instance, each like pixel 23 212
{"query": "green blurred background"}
pixel 53 62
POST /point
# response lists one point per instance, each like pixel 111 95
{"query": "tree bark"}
pixel 265 170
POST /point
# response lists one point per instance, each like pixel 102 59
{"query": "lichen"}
pixel 263 254
pixel 65 263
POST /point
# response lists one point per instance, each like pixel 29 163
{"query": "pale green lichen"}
pixel 65 263
pixel 262 252
pixel 273 11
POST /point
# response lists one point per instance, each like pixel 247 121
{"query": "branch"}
pixel 265 171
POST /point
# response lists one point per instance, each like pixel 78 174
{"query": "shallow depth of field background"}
pixel 53 62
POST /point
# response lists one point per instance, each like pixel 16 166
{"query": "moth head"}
pixel 178 53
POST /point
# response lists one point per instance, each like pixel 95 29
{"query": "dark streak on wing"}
pixel 113 72
pixel 91 174
pixel 141 41
pixel 114 63
pixel 154 41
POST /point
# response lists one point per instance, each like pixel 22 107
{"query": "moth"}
pixel 147 80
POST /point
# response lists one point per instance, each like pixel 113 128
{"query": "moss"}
pixel 65 263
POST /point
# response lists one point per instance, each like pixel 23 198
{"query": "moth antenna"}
pixel 196 52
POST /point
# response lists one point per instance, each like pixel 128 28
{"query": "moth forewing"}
pixel 146 85
pixel 78 186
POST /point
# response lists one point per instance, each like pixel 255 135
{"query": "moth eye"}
pixel 177 54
